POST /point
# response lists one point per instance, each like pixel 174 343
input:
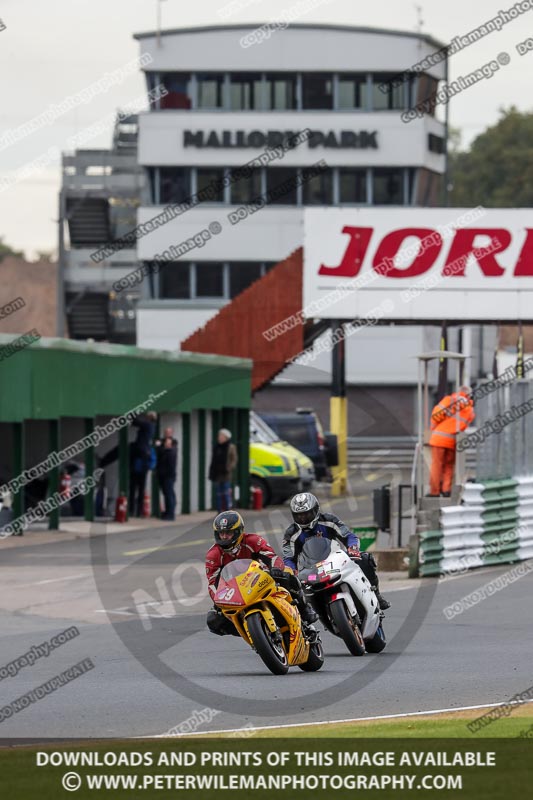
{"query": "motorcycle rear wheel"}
pixel 348 630
pixel 272 654
pixel 377 643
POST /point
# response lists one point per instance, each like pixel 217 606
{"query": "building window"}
pixel 175 281
pixel 210 91
pixel 282 182
pixel 281 91
pixel 317 91
pixel 394 96
pixel 247 92
pixel 388 187
pixel 175 184
pixel 318 191
pixel 429 186
pixel 436 143
pixel 242 274
pixel 352 186
pixel 152 183
pixel 209 279
pixel 426 89
pixel 411 81
pixel 246 189
pixel 178 86
pixel 411 177
pixel 352 91
pixel 210 178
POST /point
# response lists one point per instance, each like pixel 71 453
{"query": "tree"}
pixel 7 250
pixel 454 140
pixel 497 170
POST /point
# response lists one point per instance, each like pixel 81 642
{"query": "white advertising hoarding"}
pixel 419 264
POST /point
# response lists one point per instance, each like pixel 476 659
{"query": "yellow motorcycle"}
pixel 267 618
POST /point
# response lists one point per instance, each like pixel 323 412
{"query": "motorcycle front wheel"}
pixel 348 630
pixel 271 653
pixel 315 660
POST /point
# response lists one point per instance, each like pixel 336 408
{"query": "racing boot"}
pixel 382 603
pixel 307 612
pixel 369 567
pixel 310 633
pixel 291 582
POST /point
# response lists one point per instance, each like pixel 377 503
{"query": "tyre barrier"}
pixel 493 525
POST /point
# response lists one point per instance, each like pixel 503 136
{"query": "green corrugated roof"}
pixel 65 378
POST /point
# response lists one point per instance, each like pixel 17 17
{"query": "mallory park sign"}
pixel 360 140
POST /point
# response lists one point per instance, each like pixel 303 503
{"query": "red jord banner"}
pixel 419 264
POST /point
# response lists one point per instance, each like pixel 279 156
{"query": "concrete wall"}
pixel 372 410
pixel 374 355
pixel 164 325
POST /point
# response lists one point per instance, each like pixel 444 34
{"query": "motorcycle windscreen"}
pixel 315 549
pixel 235 568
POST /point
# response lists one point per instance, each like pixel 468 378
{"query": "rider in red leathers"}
pixel 231 543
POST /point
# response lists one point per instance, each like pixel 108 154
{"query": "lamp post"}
pixel 159 22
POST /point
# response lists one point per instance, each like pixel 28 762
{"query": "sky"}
pixel 51 50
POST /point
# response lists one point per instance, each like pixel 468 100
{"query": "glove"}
pixel 277 573
pixel 354 552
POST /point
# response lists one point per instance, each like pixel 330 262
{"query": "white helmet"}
pixel 305 510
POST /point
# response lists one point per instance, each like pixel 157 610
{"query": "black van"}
pixel 303 430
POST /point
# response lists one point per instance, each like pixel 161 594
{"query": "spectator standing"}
pixel 223 462
pixel 167 457
pixel 140 460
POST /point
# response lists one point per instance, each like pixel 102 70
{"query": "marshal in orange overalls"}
pixel 453 414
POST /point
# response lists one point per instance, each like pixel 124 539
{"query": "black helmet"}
pixel 305 509
pixel 229 522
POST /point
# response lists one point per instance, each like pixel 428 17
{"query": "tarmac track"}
pixel 143 626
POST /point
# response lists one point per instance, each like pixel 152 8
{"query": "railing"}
pixel 82 160
pixel 507 447
pixel 113 182
pixel 102 169
pixel 417 491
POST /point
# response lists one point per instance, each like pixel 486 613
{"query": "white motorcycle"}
pixel 341 595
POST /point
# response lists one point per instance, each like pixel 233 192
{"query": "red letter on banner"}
pixel 392 243
pixel 463 245
pixel 524 265
pixel 354 255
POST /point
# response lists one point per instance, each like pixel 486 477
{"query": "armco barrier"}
pixel 493 525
